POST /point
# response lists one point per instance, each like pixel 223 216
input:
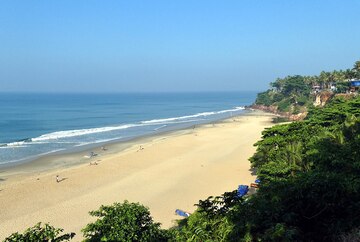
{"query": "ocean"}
pixel 34 125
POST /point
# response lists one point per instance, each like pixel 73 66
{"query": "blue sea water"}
pixel 32 125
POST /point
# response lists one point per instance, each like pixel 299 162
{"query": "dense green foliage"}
pixel 342 87
pixel 124 222
pixel 210 222
pixel 310 185
pixel 293 94
pixel 288 94
pixel 40 233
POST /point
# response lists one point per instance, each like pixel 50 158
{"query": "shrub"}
pixel 284 105
pixel 40 233
pixel 264 98
pixel 124 222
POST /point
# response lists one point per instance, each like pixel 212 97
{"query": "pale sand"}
pixel 173 171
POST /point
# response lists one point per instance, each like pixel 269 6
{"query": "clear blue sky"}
pixel 171 45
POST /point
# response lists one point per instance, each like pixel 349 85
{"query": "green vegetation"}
pixel 310 185
pixel 40 233
pixel 124 222
pixel 289 94
pixel 295 94
pixel 210 222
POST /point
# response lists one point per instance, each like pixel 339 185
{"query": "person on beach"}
pixel 57 178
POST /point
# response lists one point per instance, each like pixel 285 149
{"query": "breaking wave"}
pixel 62 137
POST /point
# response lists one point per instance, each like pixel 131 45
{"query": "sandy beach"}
pixel 171 171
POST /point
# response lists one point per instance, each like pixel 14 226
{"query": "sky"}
pixel 171 45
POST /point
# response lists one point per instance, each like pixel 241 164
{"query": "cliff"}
pixel 274 109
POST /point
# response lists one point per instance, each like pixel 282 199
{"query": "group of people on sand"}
pixel 92 154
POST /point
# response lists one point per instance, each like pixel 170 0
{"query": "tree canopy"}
pixel 44 233
pixel 310 187
pixel 293 93
pixel 124 222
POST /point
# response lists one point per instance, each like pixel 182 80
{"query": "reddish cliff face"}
pixel 274 109
pixel 322 98
pixel 297 117
pixel 269 109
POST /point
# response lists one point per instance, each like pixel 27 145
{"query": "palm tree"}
pixel 324 79
pixel 314 80
pixel 293 157
pixel 356 69
pixel 357 66
pixel 341 76
pixel 277 85
pixel 349 74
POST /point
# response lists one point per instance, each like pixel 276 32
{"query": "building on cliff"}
pixel 354 85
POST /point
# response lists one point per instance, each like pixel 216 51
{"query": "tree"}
pixel 124 222
pixel 40 233
pixel 296 85
pixel 311 80
pixel 325 78
pixel 276 85
pixel 356 69
pixel 210 222
pixel 349 74
pixel 339 76
pixel 342 87
pixel 264 98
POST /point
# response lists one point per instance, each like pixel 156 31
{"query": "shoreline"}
pixel 173 171
pixel 58 141
pixel 67 159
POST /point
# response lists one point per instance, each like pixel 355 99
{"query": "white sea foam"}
pixel 204 114
pixel 13 146
pixel 23 144
pixel 79 132
pixel 231 110
pixel 57 137
pixel 166 120
pixel 97 141
pixel 162 126
pixel 17 143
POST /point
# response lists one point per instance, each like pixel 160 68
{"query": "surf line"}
pixel 160 127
